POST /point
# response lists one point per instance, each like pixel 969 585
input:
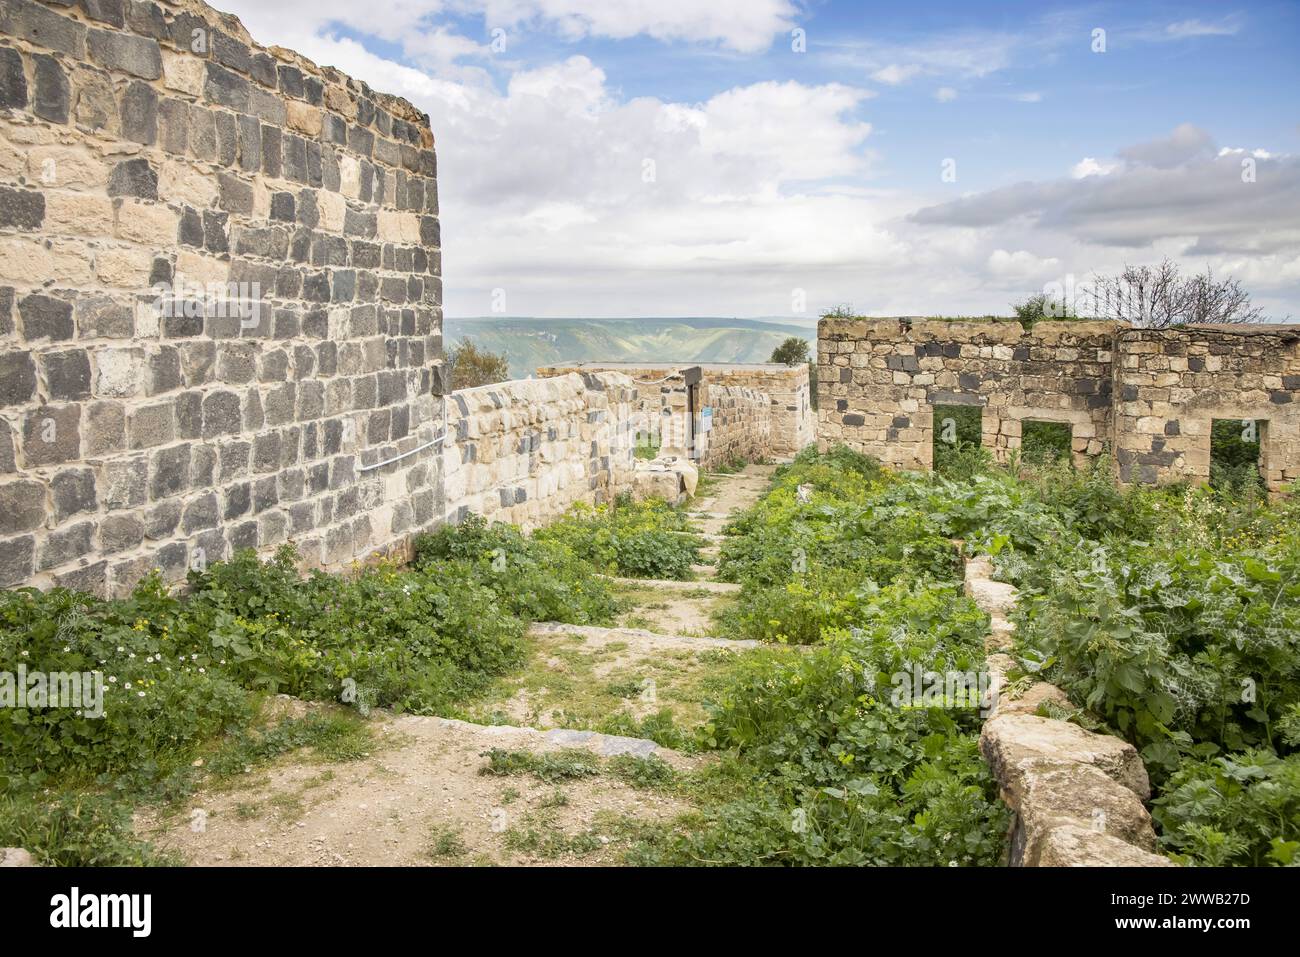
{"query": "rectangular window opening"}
pixel 957 435
pixel 1236 452
pixel 1042 443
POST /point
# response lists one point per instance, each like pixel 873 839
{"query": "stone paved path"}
pixel 420 796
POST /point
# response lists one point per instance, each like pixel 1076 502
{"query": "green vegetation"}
pixel 829 768
pixel 791 352
pixel 472 366
pixel 185 674
pixel 648 539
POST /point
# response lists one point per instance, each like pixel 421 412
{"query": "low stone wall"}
pixel 793 422
pixel 1077 796
pixel 525 451
pixel 672 398
pixel 741 426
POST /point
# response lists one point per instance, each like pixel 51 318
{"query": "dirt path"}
pixel 563 763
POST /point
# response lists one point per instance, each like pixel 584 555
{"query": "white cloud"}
pixel 761 189
pixel 1021 264
pixel 1198 28
pixel 895 74
pixel 1091 167
pixel 742 25
pixel 1185 143
pixel 1032 97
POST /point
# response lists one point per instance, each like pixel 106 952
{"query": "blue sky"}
pixel 774 171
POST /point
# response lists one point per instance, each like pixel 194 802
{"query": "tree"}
pixel 1161 296
pixel 791 352
pixel 472 366
pixel 1040 307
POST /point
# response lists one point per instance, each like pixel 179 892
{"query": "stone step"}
pixel 597 636
pixel 534 739
pixel 668 583
pixel 704 572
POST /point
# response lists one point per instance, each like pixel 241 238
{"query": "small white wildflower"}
pixel 112 679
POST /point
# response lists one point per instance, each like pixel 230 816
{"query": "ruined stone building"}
pixel 1149 395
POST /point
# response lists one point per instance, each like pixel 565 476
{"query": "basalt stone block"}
pixel 200 513
pixel 125 482
pixel 53 93
pixel 139 112
pixel 21 208
pixel 234 459
pixel 174 119
pixel 162 519
pixel 138 56
pixel 134 177
pixel 234 194
pixel 17 560
pixel 22 506
pixel 222 414
pixel 226 88
pixel 112 12
pixel 189 415
pixel 45 317
pixel 266 494
pixel 282 206
pixel 190 229
pixel 119 532
pixel 66 545
pixel 43 28
pixel 169 472
pixel 73 491
pixel 272 156
pixel 295 158
pixel 238 501
pixel 13 83
pixel 105 428
pixel 147 19
pixel 52 435
pixel 67 374
pixel 17 378
pixel 231 53
pixel 172 560
pixel 152 425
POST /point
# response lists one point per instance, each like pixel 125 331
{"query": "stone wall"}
pixel 1077 797
pixel 524 451
pixel 219 298
pixel 741 426
pixel 665 406
pixel 879 380
pixel 1150 395
pixel 1171 384
pixel 794 425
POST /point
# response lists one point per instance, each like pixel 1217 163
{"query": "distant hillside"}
pixel 529 343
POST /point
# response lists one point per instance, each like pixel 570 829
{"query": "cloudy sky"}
pixel 756 157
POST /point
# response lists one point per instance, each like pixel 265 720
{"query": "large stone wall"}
pixel 740 426
pixel 1151 395
pixel 219 298
pixel 525 451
